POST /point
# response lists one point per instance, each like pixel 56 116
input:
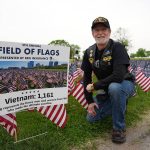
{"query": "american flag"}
pixel 71 84
pixel 77 73
pixel 55 113
pixel 78 93
pixel 78 90
pixel 9 123
pixel 74 73
pixel 142 80
pixel 130 68
pixel 31 109
pixel 71 80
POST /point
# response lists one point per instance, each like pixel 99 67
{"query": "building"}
pixel 51 63
pixel 56 63
pixel 30 64
pixel 38 65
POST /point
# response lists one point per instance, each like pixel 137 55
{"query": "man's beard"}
pixel 101 41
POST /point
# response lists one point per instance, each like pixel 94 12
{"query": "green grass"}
pixel 77 131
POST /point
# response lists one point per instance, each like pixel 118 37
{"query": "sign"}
pixel 32 75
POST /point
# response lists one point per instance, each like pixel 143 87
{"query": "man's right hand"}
pixel 91 109
pixel 90 87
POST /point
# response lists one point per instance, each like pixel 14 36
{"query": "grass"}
pixel 77 131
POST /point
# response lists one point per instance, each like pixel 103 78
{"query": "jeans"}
pixel 114 104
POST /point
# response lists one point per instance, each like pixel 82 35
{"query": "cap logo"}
pixel 100 19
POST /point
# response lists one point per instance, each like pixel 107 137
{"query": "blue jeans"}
pixel 114 104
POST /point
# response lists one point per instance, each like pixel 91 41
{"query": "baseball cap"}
pixel 100 20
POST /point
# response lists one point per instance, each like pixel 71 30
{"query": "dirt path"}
pixel 138 138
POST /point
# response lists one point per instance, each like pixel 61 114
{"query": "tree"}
pixel 141 52
pixel 73 48
pixel 132 55
pixel 147 53
pixel 121 36
pixel 62 43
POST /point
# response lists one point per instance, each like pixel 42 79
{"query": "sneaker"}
pixel 118 136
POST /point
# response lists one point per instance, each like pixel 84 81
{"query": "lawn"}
pixel 77 131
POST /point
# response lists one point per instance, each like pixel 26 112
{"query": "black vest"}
pixel 103 64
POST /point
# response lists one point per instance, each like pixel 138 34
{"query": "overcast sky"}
pixel 41 21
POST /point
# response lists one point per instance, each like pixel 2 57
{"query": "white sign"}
pixel 32 75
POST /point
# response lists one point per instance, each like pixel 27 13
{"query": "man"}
pixel 109 62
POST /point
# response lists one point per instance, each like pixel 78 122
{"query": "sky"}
pixel 42 21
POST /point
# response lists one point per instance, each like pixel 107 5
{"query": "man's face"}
pixel 101 34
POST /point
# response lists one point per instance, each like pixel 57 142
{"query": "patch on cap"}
pixel 101 20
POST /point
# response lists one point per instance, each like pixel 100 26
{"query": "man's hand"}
pixel 91 109
pixel 90 87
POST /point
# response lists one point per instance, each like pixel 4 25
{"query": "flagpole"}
pixel 15 136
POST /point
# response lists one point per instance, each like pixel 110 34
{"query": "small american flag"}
pixel 55 113
pixel 130 68
pixel 78 93
pixel 142 80
pixel 77 73
pixel 71 84
pixel 9 123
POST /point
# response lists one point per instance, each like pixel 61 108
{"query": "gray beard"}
pixel 102 41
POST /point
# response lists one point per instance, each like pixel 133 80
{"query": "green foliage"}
pixel 121 36
pixel 142 58
pixel 132 55
pixel 60 42
pixel 75 50
pixel 140 53
pixel 77 131
pixel 73 47
pixel 147 53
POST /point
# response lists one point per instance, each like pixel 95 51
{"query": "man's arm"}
pixel 87 78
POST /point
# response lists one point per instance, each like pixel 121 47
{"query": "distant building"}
pixel 56 63
pixel 38 65
pixel 51 63
pixel 30 64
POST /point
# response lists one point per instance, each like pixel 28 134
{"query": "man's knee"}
pixel 90 118
pixel 114 88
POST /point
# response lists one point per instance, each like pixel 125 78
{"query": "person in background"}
pixel 109 61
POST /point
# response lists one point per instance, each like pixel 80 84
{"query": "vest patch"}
pixel 91 56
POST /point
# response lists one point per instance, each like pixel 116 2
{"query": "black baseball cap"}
pixel 100 20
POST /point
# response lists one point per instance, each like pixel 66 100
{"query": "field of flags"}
pixel 58 114
pixel 141 71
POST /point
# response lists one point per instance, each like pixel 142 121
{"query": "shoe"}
pixel 118 136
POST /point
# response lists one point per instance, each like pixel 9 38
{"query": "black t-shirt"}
pixel 109 65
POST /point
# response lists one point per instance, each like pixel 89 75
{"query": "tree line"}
pixel 120 35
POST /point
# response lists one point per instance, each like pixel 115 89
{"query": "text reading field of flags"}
pixel 57 113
